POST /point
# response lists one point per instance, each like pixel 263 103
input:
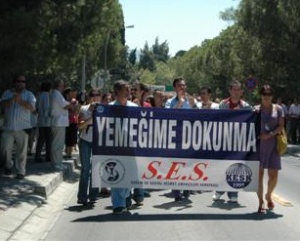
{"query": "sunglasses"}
pixel 21 81
pixel 267 94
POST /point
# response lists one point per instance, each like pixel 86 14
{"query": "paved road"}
pixel 27 216
pixel 196 219
pixel 162 219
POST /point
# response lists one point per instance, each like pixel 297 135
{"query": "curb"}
pixel 48 186
pixel 20 198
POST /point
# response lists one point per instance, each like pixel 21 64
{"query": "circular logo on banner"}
pixel 100 109
pixel 112 171
pixel 238 175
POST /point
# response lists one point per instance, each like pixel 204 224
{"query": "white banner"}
pixel 174 173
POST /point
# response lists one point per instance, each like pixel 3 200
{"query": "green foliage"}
pixel 49 38
pixel 147 77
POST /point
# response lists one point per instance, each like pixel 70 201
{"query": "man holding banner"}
pixel 181 100
pixel 120 195
pixel 234 102
pixel 171 149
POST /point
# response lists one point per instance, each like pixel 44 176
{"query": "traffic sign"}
pixel 251 83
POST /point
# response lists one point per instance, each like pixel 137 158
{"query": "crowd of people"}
pixel 60 122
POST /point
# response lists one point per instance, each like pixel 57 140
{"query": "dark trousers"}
pixel 179 193
pixel 294 122
pixel 44 137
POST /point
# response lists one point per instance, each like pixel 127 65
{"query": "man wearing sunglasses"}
pixel 18 103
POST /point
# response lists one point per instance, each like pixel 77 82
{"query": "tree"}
pixel 147 59
pixel 50 38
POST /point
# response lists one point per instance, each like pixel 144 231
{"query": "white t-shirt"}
pixel 86 133
pixel 213 105
pixel 294 110
pixel 59 115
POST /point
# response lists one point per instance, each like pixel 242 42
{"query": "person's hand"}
pixel 136 101
pixel 89 121
pixel 181 96
pixel 192 101
pixel 92 106
pixel 17 97
pixel 265 136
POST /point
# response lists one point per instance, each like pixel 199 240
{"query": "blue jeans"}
pixel 138 194
pixel 229 194
pixel 85 181
pixel 118 197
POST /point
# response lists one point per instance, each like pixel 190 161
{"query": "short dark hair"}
pixel 92 91
pixel 45 86
pixel 16 77
pixel 57 83
pixel 266 88
pixel 143 86
pixel 176 80
pixel 209 91
pixel 235 82
pixel 119 84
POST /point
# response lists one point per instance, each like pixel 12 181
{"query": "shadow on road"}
pixel 136 217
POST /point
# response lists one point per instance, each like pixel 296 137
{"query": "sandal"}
pixel 271 205
pixel 261 208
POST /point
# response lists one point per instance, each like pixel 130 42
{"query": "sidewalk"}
pixel 19 198
pixel 294 150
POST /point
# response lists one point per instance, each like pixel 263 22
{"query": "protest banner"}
pixel 189 149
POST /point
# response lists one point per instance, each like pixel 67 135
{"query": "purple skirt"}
pixel 269 157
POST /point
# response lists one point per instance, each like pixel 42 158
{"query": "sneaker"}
pixel 147 194
pixel 119 210
pixel 186 194
pixel 20 176
pixel 128 202
pixel 59 167
pixel 139 203
pixel 8 171
pixel 178 199
pixel 233 199
pixel 104 192
pixel 92 201
pixel 38 159
pixel 216 196
pixel 82 202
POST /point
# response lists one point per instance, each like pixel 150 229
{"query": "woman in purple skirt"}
pixel 272 122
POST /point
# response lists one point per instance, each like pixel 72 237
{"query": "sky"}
pixel 182 23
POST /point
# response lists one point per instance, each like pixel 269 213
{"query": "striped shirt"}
pixel 16 117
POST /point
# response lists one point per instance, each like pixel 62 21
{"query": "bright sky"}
pixel 183 23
